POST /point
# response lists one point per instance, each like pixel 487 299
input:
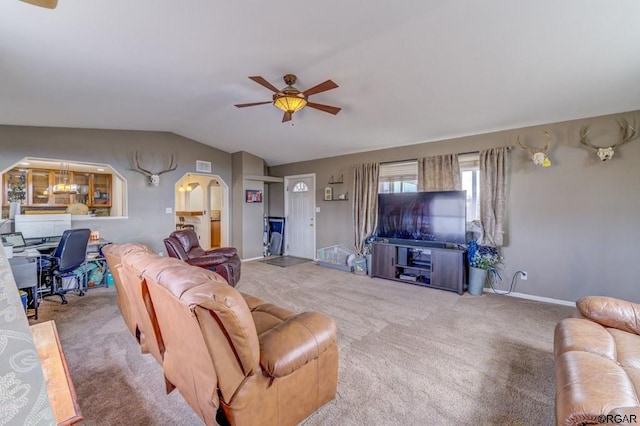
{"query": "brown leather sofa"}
pixel 134 301
pixel 260 363
pixel 184 245
pixel 597 368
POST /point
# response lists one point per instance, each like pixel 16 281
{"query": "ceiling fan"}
pixel 291 99
pixel 49 4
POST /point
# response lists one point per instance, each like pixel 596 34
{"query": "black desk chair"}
pixel 70 254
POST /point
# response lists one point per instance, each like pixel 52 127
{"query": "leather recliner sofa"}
pixel 597 356
pixel 262 364
pixel 184 245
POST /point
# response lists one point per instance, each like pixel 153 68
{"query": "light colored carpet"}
pixel 408 354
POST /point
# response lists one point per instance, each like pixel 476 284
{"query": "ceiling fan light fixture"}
pixel 289 102
pixel 48 4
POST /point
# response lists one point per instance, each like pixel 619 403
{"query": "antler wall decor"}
pixel 154 177
pixel 628 132
pixel 539 156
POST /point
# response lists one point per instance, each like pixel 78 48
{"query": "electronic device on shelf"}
pixel 432 219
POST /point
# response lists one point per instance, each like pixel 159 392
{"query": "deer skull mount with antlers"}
pixel 606 153
pixel 539 156
pixel 154 177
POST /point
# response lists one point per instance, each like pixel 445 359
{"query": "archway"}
pixel 202 203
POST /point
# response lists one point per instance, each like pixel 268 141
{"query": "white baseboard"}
pixel 536 298
pixel 252 258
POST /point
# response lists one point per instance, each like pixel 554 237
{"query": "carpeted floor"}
pixel 408 354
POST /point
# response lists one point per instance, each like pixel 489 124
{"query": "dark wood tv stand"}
pixel 441 268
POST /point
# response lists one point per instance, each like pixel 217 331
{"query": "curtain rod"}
pixel 509 148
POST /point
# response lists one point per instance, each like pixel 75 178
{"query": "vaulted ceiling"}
pixel 409 71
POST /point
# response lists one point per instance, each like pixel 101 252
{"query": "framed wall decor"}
pixel 328 193
pixel 253 195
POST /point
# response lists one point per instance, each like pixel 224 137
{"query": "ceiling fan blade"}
pixel 326 108
pixel 286 117
pixel 322 87
pixel 49 4
pixel 261 81
pixel 253 104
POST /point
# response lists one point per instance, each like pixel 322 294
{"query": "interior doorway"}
pixel 202 204
pixel 300 211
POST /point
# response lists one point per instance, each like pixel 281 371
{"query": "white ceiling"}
pixel 409 71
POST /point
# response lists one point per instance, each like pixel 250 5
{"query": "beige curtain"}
pixel 365 202
pixel 493 187
pixel 439 173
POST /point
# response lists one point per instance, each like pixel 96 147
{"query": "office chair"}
pixel 70 254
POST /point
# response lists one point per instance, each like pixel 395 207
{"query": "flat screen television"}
pixel 423 218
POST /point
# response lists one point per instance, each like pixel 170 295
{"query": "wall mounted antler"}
pixel 628 133
pixel 539 156
pixel 154 177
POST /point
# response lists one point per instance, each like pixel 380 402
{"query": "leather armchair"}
pixel 184 245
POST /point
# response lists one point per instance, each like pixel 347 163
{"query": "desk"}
pixel 25 273
pixel 60 389
pixel 61 284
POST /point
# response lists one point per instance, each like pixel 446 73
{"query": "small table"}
pixel 62 394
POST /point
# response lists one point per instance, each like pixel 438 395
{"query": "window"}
pixel 403 177
pixel 300 187
pixel 398 177
pixel 470 177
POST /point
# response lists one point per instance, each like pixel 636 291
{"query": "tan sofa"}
pixel 597 368
pixel 262 364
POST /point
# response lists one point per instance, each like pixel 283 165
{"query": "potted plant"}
pixel 483 260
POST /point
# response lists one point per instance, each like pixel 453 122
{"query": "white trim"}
pixel 95 218
pixel 252 258
pixel 287 181
pixel 536 298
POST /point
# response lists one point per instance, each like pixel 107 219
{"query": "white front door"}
pixel 300 211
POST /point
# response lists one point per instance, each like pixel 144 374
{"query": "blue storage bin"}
pixel 23 296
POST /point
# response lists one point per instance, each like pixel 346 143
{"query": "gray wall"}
pixel 573 226
pixel 147 223
pixel 247 232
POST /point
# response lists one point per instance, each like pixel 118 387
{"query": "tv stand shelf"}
pixel 441 268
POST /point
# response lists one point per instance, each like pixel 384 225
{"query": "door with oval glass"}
pixel 300 211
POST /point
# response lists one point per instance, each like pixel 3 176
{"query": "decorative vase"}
pixel 477 278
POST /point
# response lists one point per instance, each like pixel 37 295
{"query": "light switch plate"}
pixel 168 210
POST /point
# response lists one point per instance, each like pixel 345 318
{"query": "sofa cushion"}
pixel 611 312
pixel 627 348
pixel 575 334
pixel 266 316
pixel 295 342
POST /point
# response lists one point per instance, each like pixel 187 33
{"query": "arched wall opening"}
pixel 202 203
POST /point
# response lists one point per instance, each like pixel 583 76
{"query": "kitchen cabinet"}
pixel 15 186
pixel 34 187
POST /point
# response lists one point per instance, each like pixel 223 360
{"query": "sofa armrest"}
pixel 206 261
pixel 295 342
pixel 222 251
pixel 611 312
